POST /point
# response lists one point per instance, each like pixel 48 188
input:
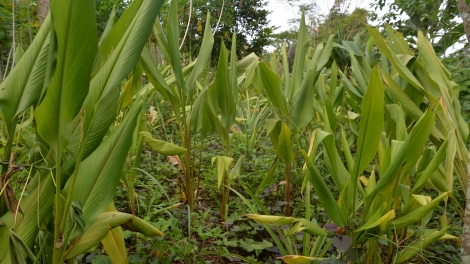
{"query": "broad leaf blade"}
pixel 76 49
pixel 99 174
pixel 22 88
pixel 372 120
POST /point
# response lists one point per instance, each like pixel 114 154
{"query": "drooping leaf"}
pixel 162 147
pixel 294 259
pixel 271 219
pixel 114 243
pixel 103 225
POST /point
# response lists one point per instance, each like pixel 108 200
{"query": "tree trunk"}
pixel 465 236
pixel 43 10
pixel 464 11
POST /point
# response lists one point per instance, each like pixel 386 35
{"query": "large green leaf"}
pixel 397 42
pixel 156 78
pixel 172 32
pixel 303 111
pixel 23 86
pixel 280 135
pixel 330 205
pixel 222 89
pixel 303 41
pixel 99 174
pixel 372 121
pixel 399 65
pixel 272 86
pixel 418 214
pixel 76 48
pixel 449 89
pixel 409 151
pixel 100 106
pixel 203 57
pixel 431 167
pixel 109 26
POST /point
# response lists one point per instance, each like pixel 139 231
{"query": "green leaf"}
pixel 409 151
pixel 109 26
pixel 307 227
pixel 294 259
pixel 437 72
pixel 222 88
pixel 99 174
pixel 76 49
pixel 326 198
pixel 378 219
pixel 271 219
pixel 203 57
pixel 22 87
pixel 372 120
pixel 272 86
pixel 399 66
pixel 303 111
pixel 223 164
pixel 303 41
pixel 281 137
pixel 162 147
pixel 412 250
pixel 431 167
pixel 172 32
pixel 105 223
pixel 158 81
pixel 100 106
pixel 418 214
pixel 114 243
pixel 397 42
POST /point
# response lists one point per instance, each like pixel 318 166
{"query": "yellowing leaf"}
pixel 162 147
pixel 294 259
pixel 271 219
pixel 223 164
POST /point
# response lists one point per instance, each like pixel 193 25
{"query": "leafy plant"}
pixel 73 174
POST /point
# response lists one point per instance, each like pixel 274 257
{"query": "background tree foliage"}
pixel 247 18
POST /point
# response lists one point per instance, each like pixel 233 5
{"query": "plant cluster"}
pixel 353 151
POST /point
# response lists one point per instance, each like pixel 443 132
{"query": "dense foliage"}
pixel 348 150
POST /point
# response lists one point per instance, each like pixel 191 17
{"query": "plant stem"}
pixel 132 174
pixel 288 173
pixel 58 209
pixel 6 156
pixel 307 216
